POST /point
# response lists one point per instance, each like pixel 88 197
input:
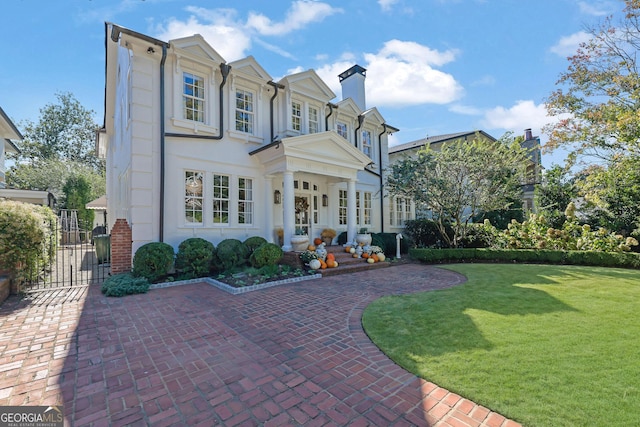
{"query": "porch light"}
pixel 325 200
pixel 277 197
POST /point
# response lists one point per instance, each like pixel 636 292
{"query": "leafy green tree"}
pixel 461 180
pixel 59 147
pixel 65 131
pixel 612 194
pixel 78 193
pixel 554 194
pixel 598 102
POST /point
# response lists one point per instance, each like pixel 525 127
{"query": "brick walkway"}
pixel 194 355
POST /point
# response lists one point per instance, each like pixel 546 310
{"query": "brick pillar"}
pixel 121 247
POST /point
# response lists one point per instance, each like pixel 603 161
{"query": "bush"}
pixel 195 258
pixel 124 284
pixel 266 255
pixel 389 243
pixel 425 233
pixel 342 238
pixel 592 258
pixel 28 238
pixel 230 253
pixel 254 242
pixel 482 235
pixel 153 261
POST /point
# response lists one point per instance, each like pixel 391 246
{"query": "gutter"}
pixel 385 129
pixel 276 86
pixel 355 131
pixel 326 118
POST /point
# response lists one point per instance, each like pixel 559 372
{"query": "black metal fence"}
pixel 77 255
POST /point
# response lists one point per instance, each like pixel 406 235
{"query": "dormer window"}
pixel 193 97
pixel 341 128
pixel 366 143
pixel 296 116
pixel 313 120
pixel 244 111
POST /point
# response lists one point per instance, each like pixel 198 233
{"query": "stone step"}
pixel 348 264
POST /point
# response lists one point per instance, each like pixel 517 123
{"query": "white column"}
pixel 351 210
pixel 268 208
pixel 288 205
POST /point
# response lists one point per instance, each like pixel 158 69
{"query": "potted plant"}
pixel 327 235
pixel 300 241
pixel 363 237
pixel 280 235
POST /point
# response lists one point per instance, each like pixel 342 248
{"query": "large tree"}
pixel 598 100
pixel 553 195
pixel 461 180
pixel 59 147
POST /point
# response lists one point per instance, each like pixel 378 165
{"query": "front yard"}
pixel 543 345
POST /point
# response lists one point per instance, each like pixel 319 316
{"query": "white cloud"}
pixel 466 110
pixel 524 114
pixel 567 46
pixel 302 12
pixel 597 8
pixel 387 4
pixel 220 29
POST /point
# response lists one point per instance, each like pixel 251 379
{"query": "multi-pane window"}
pixel 313 120
pixel 367 208
pixel 341 128
pixel 193 196
pixel 366 143
pixel 342 207
pixel 244 111
pixel 220 199
pixel 400 211
pixel 296 116
pixel 245 201
pixel 193 97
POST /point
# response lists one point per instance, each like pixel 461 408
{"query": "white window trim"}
pixel 250 202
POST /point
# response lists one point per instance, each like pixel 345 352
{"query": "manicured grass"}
pixel 543 345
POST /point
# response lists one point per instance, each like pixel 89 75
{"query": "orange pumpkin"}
pixel 331 263
pixel 317 241
pixel 331 256
pixel 365 255
pixel 311 248
pixel 375 258
pixel 347 249
pixel 323 265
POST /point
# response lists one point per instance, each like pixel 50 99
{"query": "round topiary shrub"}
pixel 231 253
pixel 153 261
pixel 254 242
pixel 267 254
pixel 194 258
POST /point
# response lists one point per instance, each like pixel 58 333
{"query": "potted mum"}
pixel 327 235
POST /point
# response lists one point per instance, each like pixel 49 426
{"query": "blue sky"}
pixel 433 66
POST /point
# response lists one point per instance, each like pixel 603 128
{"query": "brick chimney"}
pixel 352 82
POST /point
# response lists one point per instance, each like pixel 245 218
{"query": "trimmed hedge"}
pixel 153 261
pixel 266 255
pixel 195 257
pixel 591 258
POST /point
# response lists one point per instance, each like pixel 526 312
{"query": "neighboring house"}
pixel 405 208
pixel 197 146
pixel 8 134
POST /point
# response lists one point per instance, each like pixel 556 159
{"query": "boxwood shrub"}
pixel 254 242
pixel 230 253
pixel 153 261
pixel 592 258
pixel 195 258
pixel 265 255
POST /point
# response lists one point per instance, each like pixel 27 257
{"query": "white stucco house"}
pixel 198 146
pixel 8 132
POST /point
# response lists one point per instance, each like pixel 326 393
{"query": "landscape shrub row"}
pixel 543 256
pixel 196 257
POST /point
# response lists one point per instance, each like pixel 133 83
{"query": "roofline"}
pixel 408 145
pixel 11 125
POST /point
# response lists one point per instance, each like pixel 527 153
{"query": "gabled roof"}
pixel 196 45
pixel 8 131
pixel 310 84
pixel 250 67
pixel 438 139
pixel 348 106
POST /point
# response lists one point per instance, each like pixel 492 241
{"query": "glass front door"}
pixel 302 214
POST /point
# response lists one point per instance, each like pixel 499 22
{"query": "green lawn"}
pixel 543 345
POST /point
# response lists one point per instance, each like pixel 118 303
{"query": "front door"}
pixel 302 214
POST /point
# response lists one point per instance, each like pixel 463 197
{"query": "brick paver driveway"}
pixel 194 355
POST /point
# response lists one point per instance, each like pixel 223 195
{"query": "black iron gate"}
pixel 78 256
